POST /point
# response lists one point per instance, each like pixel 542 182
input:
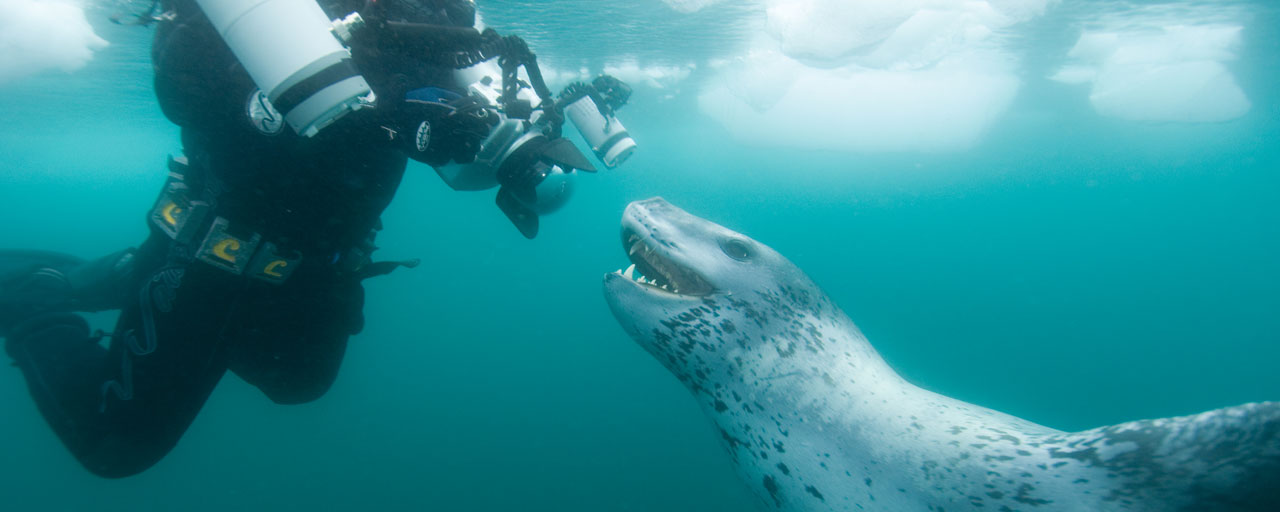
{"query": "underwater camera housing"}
pixel 304 69
pixel 525 154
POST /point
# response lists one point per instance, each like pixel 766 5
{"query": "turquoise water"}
pixel 1070 268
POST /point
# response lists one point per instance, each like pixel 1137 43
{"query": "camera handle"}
pixel 463 47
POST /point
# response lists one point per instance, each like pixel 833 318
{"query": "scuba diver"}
pixel 297 121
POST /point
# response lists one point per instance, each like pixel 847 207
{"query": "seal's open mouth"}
pixel 652 268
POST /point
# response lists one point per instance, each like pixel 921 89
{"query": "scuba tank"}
pixel 293 56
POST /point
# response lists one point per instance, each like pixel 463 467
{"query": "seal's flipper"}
pixel 1225 459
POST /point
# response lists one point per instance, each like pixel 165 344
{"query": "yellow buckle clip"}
pixel 225 251
pixel 272 266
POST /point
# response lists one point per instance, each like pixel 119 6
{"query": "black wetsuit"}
pixel 183 322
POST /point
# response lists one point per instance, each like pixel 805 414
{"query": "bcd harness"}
pixel 193 224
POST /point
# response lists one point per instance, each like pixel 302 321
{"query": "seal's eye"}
pixel 736 249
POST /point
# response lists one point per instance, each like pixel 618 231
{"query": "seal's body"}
pixel 816 420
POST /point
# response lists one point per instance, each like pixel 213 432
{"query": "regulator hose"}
pixel 463 47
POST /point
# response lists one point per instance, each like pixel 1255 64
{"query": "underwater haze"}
pixel 1062 210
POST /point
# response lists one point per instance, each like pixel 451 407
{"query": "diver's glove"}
pixel 439 126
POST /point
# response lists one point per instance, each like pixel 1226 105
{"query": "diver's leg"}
pixel 37 282
pixel 120 410
pixel 15 261
pixel 295 334
pixel 62 365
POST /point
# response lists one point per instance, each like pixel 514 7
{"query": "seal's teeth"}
pixel 618 272
pixel 630 272
pixel 634 248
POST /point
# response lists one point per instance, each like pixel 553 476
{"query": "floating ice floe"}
pixel 37 36
pixel 655 77
pixel 1160 67
pixel 872 75
pixel 687 6
pixel 943 108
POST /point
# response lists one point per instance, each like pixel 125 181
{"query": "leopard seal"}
pixel 815 419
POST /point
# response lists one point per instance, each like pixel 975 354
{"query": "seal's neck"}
pixel 831 357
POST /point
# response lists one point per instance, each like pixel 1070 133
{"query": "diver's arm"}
pixel 438 129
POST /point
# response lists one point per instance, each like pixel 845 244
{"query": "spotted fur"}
pixel 816 420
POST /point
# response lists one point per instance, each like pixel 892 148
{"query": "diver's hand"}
pixel 466 127
pixel 439 130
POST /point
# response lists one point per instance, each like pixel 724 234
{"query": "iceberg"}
pixel 36 36
pixel 872 75
pixel 1157 69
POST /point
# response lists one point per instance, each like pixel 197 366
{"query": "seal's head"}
pixel 688 257
pixel 702 287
